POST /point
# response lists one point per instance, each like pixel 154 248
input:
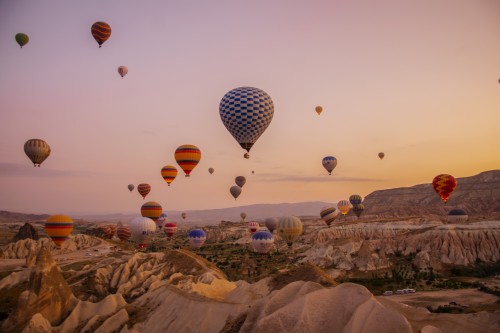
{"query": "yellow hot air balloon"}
pixel 319 109
pixel 289 228
pixel 169 172
pixel 59 227
pixel 344 206
pixel 187 156
pixel 152 210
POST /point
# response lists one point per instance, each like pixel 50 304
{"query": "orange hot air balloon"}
pixel 169 172
pixel 144 189
pixel 187 156
pixel 101 32
pixel 444 185
pixel 152 210
pixel 59 227
pixel 319 109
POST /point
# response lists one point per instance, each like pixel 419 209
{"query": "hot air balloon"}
pixel 142 228
pixel 37 151
pixel 59 227
pixel 170 229
pixel 253 226
pixel 123 232
pixel 355 199
pixel 151 209
pixel 240 181
pixel 271 223
pixel 262 241
pixel 444 185
pixel 184 215
pixel 169 172
pixel 187 156
pixel 344 206
pixel 143 189
pixel 457 216
pixel 329 163
pixel 211 170
pixel 319 109
pixel 122 70
pixel 246 155
pixel 197 238
pixel 130 187
pixel 246 112
pixel 22 39
pixel 235 191
pixel 381 155
pixel 358 209
pixel 329 214
pixel 253 171
pixel 161 220
pixel 243 216
pixel 101 32
pixel 104 230
pixel 289 228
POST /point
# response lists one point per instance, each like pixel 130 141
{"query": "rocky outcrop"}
pixel 38 324
pixel 478 195
pixel 26 247
pixel 27 231
pixel 48 294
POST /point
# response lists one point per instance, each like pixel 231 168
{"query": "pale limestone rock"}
pixel 38 324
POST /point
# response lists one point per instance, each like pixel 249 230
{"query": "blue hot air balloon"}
pixel 246 112
pixel 197 238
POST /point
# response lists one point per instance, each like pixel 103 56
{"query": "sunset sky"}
pixel 418 80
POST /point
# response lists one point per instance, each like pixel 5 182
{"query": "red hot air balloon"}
pixel 444 185
pixel 143 189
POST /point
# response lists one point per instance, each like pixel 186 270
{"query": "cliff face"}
pixel 478 195
pixel 26 231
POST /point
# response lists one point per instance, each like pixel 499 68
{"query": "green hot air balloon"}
pixel 22 39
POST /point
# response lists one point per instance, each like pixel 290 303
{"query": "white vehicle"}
pixel 399 291
pixel 387 293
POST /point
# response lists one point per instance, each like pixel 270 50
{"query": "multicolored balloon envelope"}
pixel 169 172
pixel 197 238
pixel 271 223
pixel 262 241
pixel 444 185
pixel 59 227
pixel 112 230
pixel 344 206
pixel 329 214
pixel 289 228
pixel 22 39
pixel 123 232
pixel 246 113
pixel 101 31
pixel 152 210
pixel 37 151
pixel 457 215
pixel 188 157
pixel 355 199
pixel 170 229
pixel 329 163
pixel 144 189
pixel 253 226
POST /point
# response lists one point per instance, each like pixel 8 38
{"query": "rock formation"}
pixel 48 294
pixel 26 231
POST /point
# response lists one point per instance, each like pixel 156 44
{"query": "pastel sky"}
pixel 418 80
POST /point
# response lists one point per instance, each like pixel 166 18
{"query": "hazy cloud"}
pixel 27 170
pixel 274 177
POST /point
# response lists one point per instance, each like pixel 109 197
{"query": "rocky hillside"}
pixel 478 195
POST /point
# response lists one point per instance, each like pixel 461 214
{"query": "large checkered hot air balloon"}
pixel 444 185
pixel 187 156
pixel 101 31
pixel 246 112
pixel 59 227
pixel 37 150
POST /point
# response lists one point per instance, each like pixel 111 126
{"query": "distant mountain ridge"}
pixel 6 216
pixel 478 195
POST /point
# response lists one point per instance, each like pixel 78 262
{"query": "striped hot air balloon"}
pixel 444 185
pixel 169 172
pixel 105 230
pixel 59 227
pixel 355 199
pixel 262 241
pixel 112 231
pixel 123 232
pixel 152 210
pixel 170 229
pixel 289 228
pixel 37 151
pixel 187 156
pixel 329 214
pixel 197 238
pixel 344 206
pixel 101 31
pixel 358 209
pixel 143 189
pixel 253 226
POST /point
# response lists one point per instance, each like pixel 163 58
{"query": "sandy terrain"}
pixel 469 297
